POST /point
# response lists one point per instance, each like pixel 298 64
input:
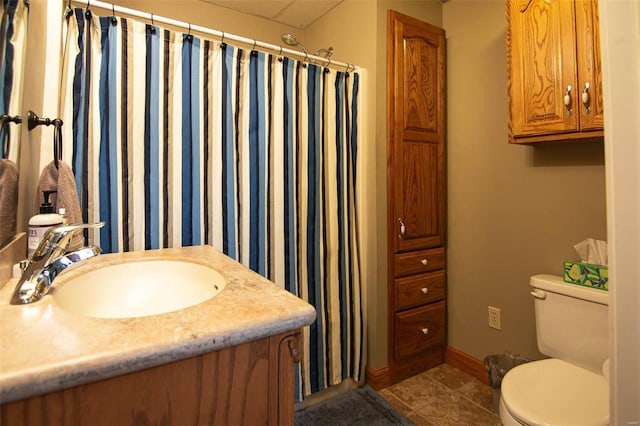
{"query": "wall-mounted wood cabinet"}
pixel 416 196
pixel 554 72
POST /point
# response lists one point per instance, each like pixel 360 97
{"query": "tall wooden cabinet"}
pixel 554 72
pixel 416 195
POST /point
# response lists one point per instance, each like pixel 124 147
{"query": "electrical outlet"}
pixel 494 318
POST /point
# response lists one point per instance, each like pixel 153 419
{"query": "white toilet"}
pixel 569 388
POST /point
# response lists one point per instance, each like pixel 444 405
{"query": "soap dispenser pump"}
pixel 41 223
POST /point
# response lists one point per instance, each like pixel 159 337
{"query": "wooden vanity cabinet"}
pixel 416 196
pixel 248 384
pixel 553 70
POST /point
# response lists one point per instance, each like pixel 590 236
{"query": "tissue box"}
pixel 586 274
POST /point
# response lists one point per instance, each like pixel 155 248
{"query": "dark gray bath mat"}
pixel 361 406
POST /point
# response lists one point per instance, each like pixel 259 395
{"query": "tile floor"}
pixel 443 396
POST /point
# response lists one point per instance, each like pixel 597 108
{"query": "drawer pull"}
pixel 425 290
pixel 424 262
pixel 425 331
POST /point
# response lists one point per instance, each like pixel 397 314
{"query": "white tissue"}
pixel 592 251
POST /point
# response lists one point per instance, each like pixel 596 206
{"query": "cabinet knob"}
pixel 403 228
pixel 425 290
pixel 585 98
pixel 424 262
pixel 425 331
pixel 567 100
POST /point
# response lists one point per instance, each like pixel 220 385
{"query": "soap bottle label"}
pixel 35 234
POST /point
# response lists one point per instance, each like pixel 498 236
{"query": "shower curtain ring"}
pixel 222 43
pixel 254 44
pixel 114 20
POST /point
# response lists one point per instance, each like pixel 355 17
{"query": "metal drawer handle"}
pixel 585 98
pixel 425 331
pixel 425 290
pixel 424 262
pixel 567 100
pixel 403 228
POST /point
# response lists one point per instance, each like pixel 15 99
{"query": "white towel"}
pixel 63 181
pixel 8 200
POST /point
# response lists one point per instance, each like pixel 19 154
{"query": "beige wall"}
pixel 514 211
pixel 210 16
pixel 40 88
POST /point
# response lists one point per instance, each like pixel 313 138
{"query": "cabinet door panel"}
pixel 542 61
pixel 418 196
pixel 589 67
pixel 416 134
pixel 422 93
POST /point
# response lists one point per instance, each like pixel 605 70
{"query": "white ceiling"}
pixel 296 13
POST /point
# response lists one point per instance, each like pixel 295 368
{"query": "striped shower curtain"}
pixel 178 141
pixel 14 15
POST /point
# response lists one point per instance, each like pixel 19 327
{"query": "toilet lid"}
pixel 554 392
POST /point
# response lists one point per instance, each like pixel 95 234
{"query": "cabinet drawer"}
pixel 420 329
pixel 416 262
pixel 419 289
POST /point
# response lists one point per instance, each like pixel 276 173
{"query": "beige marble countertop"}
pixel 44 348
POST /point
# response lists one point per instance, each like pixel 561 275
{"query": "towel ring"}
pixel 6 140
pixel 57 142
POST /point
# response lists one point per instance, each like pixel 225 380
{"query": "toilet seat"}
pixel 554 392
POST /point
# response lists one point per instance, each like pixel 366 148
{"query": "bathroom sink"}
pixel 139 288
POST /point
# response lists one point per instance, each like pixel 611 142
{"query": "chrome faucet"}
pixel 49 260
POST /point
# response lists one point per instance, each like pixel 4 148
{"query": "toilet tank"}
pixel 572 322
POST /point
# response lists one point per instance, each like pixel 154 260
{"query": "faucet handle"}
pixel 57 239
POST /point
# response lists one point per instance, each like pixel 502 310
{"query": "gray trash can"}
pixel 497 366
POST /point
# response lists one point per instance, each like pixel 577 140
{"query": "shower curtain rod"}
pixel 220 34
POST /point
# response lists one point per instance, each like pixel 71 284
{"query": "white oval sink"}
pixel 139 288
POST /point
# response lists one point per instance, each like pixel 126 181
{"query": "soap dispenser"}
pixel 41 223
